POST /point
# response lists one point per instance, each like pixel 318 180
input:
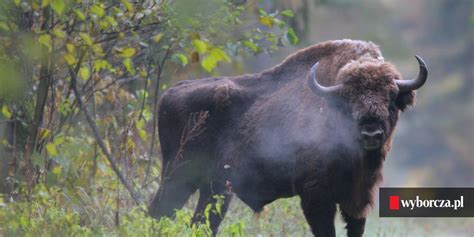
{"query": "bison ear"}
pixel 405 99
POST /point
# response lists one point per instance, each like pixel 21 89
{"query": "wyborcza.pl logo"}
pixel 426 202
pixel 395 203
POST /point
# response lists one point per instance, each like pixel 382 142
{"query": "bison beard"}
pixel 318 125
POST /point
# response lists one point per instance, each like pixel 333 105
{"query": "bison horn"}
pixel 409 85
pixel 317 88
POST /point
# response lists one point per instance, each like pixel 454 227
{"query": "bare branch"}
pixel 135 195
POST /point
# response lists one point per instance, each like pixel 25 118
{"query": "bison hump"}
pixel 212 94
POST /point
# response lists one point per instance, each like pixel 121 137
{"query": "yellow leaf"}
pixel 84 73
pixel 142 134
pixel 98 10
pixel 56 170
pixel 157 37
pixel 51 149
pixel 70 59
pixel 6 112
pixel 44 133
pixel 58 6
pixel 129 66
pixel 101 64
pixel 267 21
pixel 110 96
pixel 97 49
pixel 70 48
pixel 127 52
pixel 46 41
pixel 200 46
pixel 87 39
pixel 220 54
pixel 59 33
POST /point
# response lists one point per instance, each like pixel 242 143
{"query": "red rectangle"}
pixel 394 203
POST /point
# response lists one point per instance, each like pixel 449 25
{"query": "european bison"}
pixel 318 125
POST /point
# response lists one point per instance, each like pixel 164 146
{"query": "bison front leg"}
pixel 320 215
pixel 355 226
pixel 209 194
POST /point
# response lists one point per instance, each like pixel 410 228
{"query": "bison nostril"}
pixel 376 134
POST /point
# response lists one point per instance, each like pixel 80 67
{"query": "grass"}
pixel 285 218
pixel 43 216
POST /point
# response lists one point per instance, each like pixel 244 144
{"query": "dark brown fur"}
pixel 269 136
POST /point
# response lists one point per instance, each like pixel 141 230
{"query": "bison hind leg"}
pixel 215 195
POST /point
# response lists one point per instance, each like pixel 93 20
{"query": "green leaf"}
pixel 291 36
pixel 59 140
pixel 80 14
pixel 87 39
pixel 220 54
pixel 84 73
pixel 98 10
pixel 209 63
pixel 127 52
pixel 252 46
pixel 6 112
pixel 111 20
pixel 51 149
pixel 46 41
pixel 4 26
pixel 59 33
pixel 216 55
pixel 127 5
pixel 181 58
pixel 129 66
pixel 101 64
pixel 45 3
pixel 58 6
pixel 200 46
pixel 288 13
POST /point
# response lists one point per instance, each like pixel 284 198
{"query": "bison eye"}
pixel 393 95
pixel 392 106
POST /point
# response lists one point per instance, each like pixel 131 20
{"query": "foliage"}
pixel 80 85
pixel 42 216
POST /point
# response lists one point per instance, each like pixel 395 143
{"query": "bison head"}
pixel 372 93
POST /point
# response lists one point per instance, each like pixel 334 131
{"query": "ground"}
pixel 285 218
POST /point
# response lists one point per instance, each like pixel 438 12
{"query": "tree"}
pixel 81 82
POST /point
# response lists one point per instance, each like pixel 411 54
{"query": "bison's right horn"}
pixel 317 88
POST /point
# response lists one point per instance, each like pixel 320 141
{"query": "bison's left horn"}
pixel 409 85
pixel 317 88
